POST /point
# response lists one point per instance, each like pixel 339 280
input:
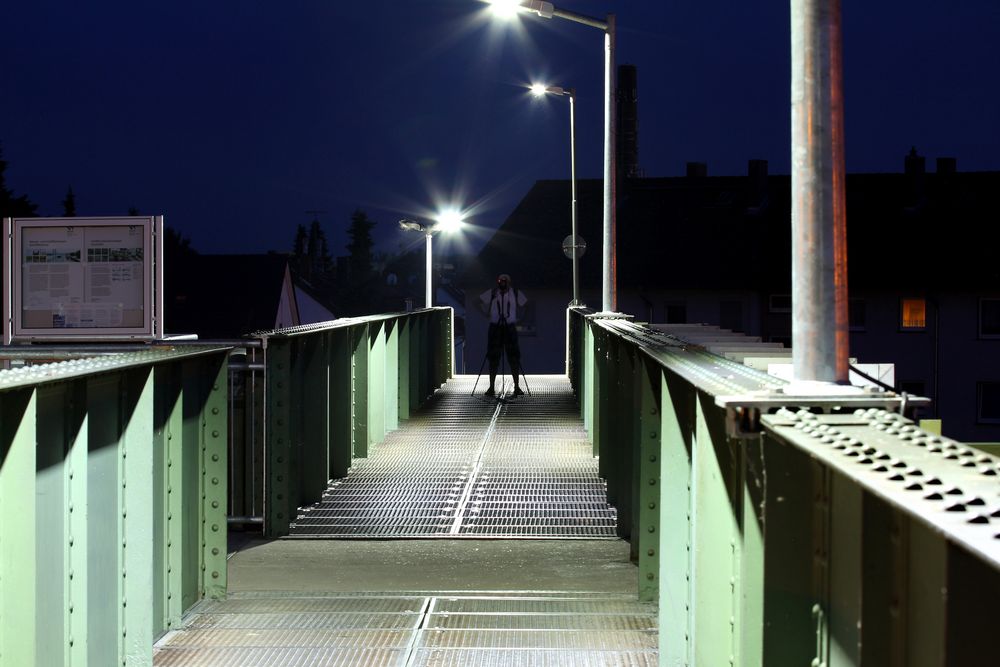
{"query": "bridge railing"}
pixel 782 530
pixel 332 392
pixel 112 502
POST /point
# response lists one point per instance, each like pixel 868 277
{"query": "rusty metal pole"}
pixel 819 233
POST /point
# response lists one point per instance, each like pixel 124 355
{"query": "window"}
pixel 677 313
pixel 780 303
pixel 989 318
pixel 857 314
pixel 989 402
pixel 731 315
pixel 912 314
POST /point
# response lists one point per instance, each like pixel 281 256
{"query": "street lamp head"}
pixel 540 89
pixel 411 225
pixel 508 8
pixel 449 220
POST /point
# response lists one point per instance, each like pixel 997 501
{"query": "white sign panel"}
pixel 75 278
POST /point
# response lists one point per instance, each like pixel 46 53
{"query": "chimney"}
pixel 914 169
pixel 756 184
pixel 697 169
pixel 627 98
pixel 947 165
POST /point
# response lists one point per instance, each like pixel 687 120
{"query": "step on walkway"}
pixel 416 629
pixel 470 467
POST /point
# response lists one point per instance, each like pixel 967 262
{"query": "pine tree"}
pixel 69 203
pixel 11 206
pixel 360 248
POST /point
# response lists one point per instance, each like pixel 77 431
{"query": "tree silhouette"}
pixel 11 206
pixel 69 203
pixel 361 291
pixel 360 247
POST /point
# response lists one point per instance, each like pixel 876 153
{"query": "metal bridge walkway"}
pixel 470 467
pixel 463 467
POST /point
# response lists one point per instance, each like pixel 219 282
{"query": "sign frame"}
pixel 16 330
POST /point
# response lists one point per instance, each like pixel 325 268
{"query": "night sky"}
pixel 234 118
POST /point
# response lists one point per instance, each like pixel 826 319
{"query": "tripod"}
pixel 501 328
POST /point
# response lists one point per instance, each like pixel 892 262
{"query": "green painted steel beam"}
pixel 376 383
pixel 359 391
pixel 278 504
pixel 649 481
pixel 214 459
pixel 138 538
pixel 391 378
pixel 107 513
pixel 311 420
pixel 340 405
pixel 18 547
pixel 677 426
pixel 715 539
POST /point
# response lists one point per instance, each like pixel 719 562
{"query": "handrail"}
pixel 779 524
pixel 332 391
pixel 112 502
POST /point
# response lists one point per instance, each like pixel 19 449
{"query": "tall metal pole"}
pixel 609 294
pixel 428 301
pixel 819 225
pixel 572 172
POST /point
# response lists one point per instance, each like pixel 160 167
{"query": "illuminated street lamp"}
pixel 538 90
pixel 447 221
pixel 507 8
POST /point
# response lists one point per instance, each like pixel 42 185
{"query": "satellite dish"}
pixel 574 246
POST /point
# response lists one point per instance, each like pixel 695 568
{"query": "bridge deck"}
pixel 462 468
pixel 468 467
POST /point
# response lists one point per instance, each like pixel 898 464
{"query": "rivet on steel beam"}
pixel 215 480
pixel 650 576
pixel 215 457
pixel 651 529
pixel 215 411
pixel 215 504
pixel 215 551
pixel 652 482
pixel 215 575
pixel 652 506
pixel 215 434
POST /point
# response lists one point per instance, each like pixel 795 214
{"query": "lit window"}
pixel 989 318
pixel 913 313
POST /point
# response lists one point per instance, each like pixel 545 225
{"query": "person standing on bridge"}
pixel 501 304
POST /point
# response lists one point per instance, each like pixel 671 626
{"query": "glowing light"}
pixel 449 220
pixel 538 89
pixel 505 8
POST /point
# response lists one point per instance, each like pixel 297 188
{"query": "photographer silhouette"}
pixel 501 305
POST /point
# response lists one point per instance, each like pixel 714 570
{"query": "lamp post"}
pixel 447 221
pixel 609 281
pixel 539 90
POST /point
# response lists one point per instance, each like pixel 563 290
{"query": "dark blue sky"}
pixel 234 117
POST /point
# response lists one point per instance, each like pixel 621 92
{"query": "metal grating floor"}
pixel 469 467
pixel 433 629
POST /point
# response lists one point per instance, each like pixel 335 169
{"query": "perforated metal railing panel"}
pixel 467 466
pixel 414 629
